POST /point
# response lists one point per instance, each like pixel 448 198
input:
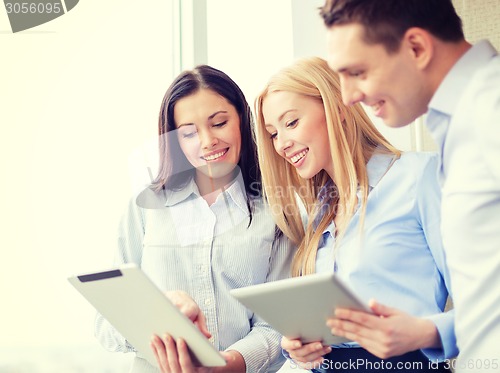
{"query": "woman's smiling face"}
pixel 297 127
pixel 208 130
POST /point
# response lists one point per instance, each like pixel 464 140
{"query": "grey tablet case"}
pixel 137 309
pixel 298 307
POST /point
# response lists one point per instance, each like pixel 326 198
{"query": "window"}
pixel 78 95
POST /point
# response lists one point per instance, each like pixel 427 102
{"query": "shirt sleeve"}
pixel 487 114
pixel 261 347
pixel 129 250
pixel 429 206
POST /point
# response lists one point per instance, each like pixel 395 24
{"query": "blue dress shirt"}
pixel 182 243
pixel 397 258
pixel 464 119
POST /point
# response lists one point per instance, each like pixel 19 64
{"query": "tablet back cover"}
pixel 137 309
pixel 299 307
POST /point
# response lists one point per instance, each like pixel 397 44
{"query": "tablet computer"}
pixel 298 307
pixel 137 309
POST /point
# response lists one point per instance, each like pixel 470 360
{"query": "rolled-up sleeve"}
pixel 429 204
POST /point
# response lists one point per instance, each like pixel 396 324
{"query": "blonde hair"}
pixel 353 139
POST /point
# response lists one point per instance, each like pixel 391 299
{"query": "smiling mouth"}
pixel 376 107
pixel 297 157
pixel 215 156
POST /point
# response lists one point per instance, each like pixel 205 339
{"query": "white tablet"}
pixel 299 307
pixel 137 309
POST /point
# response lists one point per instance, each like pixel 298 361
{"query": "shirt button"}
pixel 207 302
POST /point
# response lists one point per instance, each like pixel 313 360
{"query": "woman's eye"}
pixel 293 123
pixel 188 135
pixel 220 124
pixel 274 136
pixel 355 73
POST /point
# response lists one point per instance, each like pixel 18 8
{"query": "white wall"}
pixel 77 96
pixel 249 40
pixel 309 33
pixel 480 20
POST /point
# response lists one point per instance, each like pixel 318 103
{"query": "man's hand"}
pixel 385 333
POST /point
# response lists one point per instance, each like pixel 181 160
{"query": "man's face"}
pixel 392 85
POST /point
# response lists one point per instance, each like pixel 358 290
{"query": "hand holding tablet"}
pixel 299 307
pixel 130 301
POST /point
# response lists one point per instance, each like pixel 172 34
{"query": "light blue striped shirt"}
pixel 398 259
pixel 182 243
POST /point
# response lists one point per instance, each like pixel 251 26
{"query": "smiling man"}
pixel 406 58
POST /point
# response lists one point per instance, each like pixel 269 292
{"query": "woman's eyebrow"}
pixel 280 118
pixel 209 117
pixel 185 124
pixel 217 112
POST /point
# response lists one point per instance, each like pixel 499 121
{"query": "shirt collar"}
pixel 377 166
pixel 235 192
pixel 174 197
pixel 445 99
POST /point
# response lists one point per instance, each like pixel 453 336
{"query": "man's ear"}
pixel 420 45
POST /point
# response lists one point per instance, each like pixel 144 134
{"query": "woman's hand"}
pixel 188 307
pixel 306 356
pixel 386 333
pixel 173 357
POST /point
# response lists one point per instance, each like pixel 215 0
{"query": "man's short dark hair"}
pixel 386 21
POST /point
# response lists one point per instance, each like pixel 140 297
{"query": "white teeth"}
pixel 299 156
pixel 213 157
pixel 376 106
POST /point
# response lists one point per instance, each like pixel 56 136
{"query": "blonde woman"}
pixel 369 220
